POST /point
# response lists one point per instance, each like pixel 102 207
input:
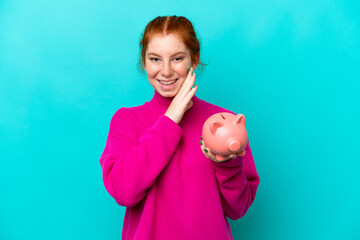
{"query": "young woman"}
pixel 153 164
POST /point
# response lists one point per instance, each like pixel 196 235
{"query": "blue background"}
pixel 291 67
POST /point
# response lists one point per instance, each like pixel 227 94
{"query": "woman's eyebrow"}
pixel 151 53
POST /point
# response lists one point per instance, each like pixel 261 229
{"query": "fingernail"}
pixel 192 73
pixel 205 150
pixel 234 156
pixel 194 85
pixel 189 69
pixel 201 137
pixel 201 143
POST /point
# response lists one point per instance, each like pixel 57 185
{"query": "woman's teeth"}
pixel 167 83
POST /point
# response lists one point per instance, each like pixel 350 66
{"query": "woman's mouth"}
pixel 168 83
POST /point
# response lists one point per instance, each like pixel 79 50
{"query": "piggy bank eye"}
pixel 222 116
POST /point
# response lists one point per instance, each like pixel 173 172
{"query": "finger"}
pixel 189 81
pixel 213 157
pixel 189 96
pixel 204 149
pixel 190 92
pixel 202 145
pixel 208 153
pixel 185 87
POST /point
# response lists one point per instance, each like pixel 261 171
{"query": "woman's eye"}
pixel 157 59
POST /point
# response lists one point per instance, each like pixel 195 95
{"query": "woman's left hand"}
pixel 211 155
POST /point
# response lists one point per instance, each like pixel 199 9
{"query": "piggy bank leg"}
pixel 220 158
pixel 241 153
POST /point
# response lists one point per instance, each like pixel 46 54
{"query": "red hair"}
pixel 171 24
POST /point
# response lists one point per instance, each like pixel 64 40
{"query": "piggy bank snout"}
pixel 234 145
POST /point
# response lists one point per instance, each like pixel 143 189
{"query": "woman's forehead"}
pixel 166 44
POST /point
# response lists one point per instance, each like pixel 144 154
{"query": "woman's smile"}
pixel 168 83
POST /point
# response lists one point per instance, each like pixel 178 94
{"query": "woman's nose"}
pixel 167 70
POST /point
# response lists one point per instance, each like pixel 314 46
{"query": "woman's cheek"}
pixel 152 73
pixel 183 71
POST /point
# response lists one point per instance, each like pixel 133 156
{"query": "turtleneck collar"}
pixel 160 103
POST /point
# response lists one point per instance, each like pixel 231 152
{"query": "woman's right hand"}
pixel 182 101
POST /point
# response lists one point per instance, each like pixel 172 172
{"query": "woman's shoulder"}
pixel 128 111
pixel 126 118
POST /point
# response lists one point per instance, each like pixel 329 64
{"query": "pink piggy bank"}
pixel 224 134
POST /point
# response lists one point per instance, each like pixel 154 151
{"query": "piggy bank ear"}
pixel 239 119
pixel 214 126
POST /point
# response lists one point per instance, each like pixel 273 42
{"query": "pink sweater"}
pixel 156 169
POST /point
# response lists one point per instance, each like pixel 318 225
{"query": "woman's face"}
pixel 167 60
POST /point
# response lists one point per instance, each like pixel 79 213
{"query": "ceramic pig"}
pixel 224 134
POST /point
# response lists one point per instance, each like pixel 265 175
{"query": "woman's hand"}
pixel 211 156
pixel 182 101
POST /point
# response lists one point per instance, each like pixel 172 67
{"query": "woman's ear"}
pixel 144 66
pixel 196 62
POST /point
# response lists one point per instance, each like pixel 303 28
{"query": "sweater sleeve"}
pixel 238 181
pixel 131 163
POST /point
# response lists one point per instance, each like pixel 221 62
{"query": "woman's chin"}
pixel 167 94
